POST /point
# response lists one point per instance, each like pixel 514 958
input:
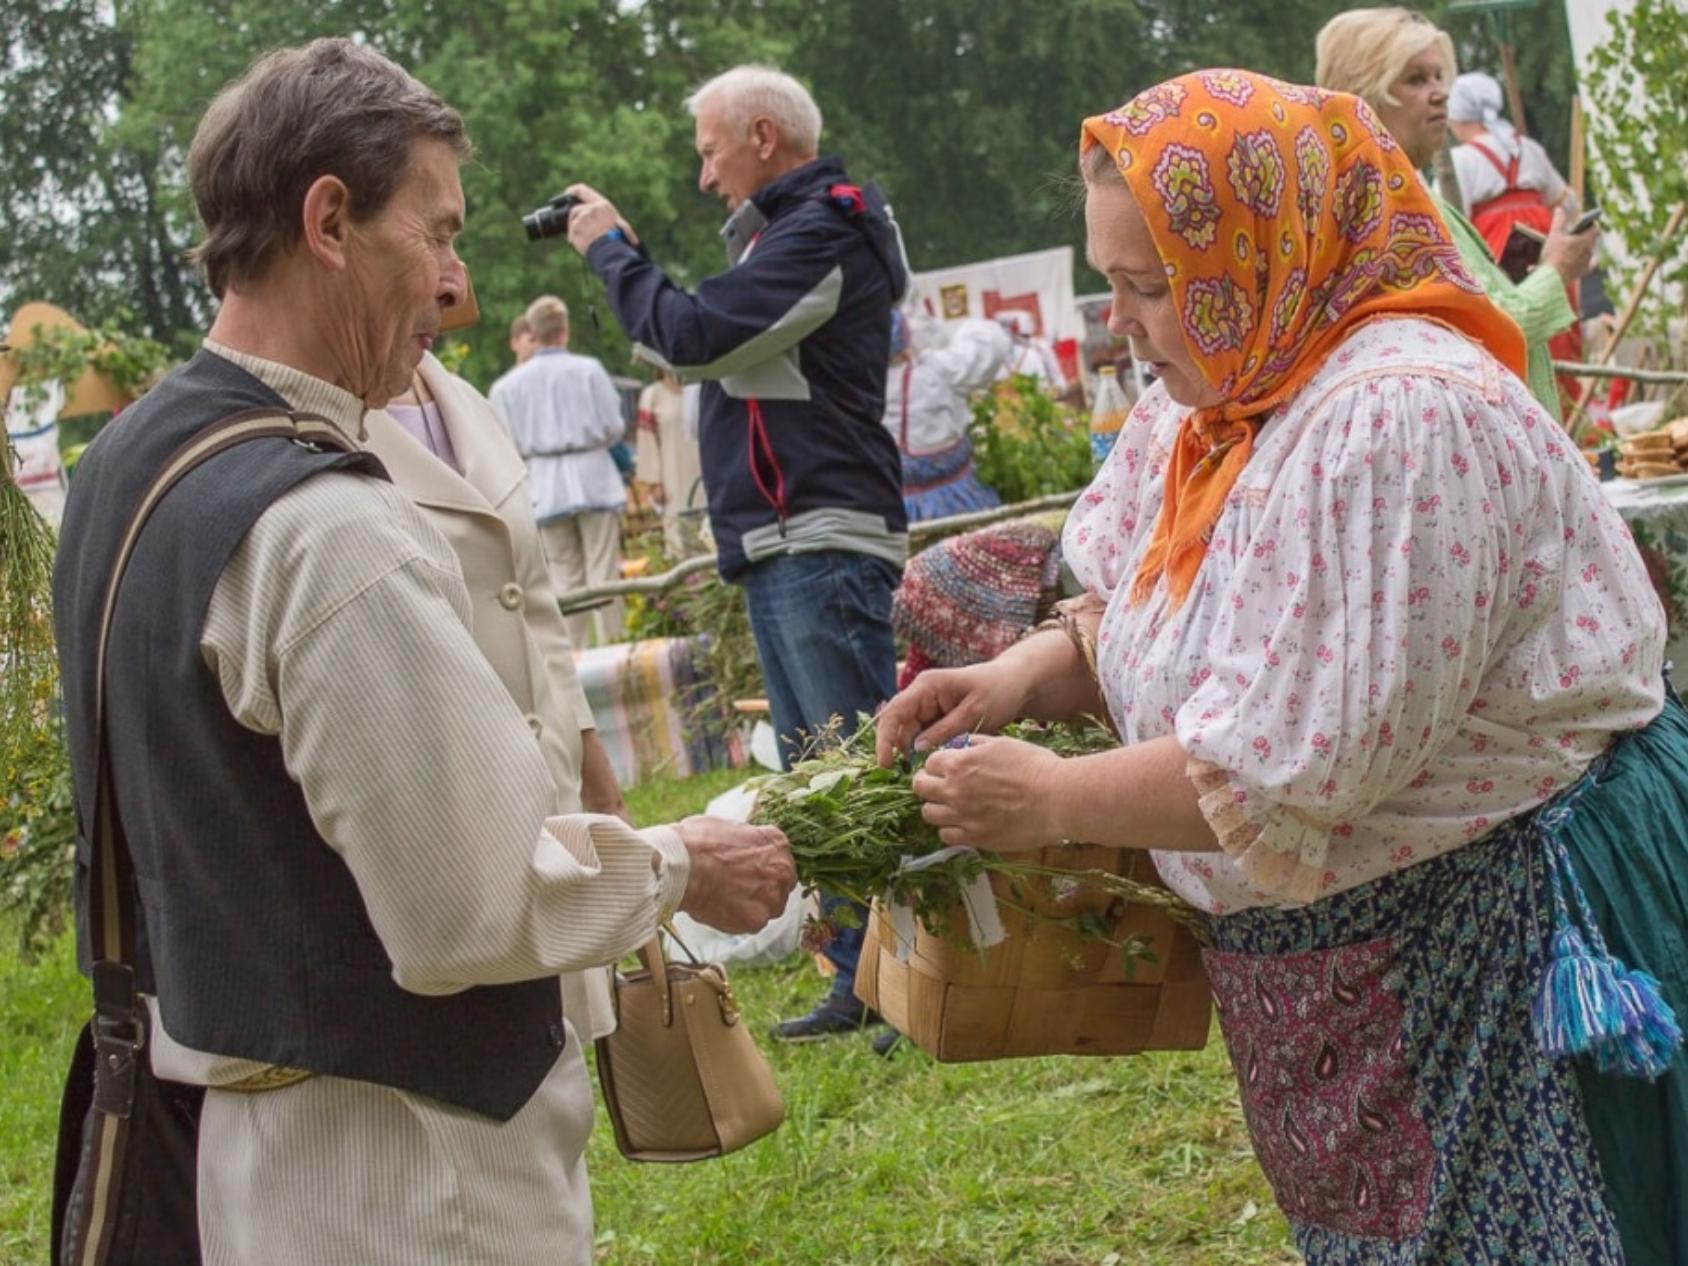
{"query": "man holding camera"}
pixel 804 482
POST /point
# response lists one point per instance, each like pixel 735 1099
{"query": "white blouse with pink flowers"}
pixel 1418 617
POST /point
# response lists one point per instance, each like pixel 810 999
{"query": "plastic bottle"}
pixel 1107 414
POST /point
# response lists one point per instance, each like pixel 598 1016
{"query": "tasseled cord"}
pixel 1589 1002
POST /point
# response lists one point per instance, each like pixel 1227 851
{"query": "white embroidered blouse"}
pixel 1418 617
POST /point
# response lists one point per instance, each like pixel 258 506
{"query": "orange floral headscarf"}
pixel 1286 216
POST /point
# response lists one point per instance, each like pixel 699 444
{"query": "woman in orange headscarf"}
pixel 1388 675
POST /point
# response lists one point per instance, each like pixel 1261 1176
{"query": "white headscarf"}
pixel 1478 98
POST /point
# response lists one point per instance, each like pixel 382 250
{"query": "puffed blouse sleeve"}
pixel 1112 518
pixel 1371 589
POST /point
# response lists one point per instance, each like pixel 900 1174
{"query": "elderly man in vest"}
pixel 803 481
pixel 356 889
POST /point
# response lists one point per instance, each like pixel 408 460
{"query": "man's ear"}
pixel 766 133
pixel 327 220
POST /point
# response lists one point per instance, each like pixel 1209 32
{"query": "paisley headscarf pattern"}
pixel 1286 216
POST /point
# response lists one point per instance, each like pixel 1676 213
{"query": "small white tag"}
pixel 903 928
pixel 983 919
pixel 984 922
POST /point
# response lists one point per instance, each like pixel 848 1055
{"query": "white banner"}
pixel 1039 284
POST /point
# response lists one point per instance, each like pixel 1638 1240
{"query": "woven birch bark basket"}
pixel 1046 989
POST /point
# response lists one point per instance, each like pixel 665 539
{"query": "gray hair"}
pixel 328 108
pixel 748 93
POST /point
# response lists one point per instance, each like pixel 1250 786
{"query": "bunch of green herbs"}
pixel 701 604
pixel 854 825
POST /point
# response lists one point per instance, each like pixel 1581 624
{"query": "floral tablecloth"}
pixel 1658 518
pixel 644 697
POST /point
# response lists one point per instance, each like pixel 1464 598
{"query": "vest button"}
pixel 534 723
pixel 554 1031
pixel 510 597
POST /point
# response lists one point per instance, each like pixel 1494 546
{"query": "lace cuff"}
pixel 1278 853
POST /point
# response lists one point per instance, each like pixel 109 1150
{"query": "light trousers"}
pixel 582 550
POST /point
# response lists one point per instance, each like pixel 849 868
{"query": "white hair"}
pixel 748 93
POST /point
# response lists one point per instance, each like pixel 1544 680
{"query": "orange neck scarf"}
pixel 1286 217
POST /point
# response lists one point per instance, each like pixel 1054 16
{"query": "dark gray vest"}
pixel 252 933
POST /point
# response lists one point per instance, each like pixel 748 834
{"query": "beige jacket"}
pixel 487 516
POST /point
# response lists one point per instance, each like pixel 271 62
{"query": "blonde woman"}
pixel 1403 66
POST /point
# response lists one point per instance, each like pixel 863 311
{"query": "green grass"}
pixel 42 1006
pixel 670 799
pixel 1048 1162
pixel 1053 1162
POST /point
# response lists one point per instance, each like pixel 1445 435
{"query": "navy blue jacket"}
pixel 791 342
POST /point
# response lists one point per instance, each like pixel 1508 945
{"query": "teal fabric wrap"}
pixel 1628 841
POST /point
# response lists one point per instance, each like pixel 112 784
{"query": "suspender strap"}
pixel 1508 170
pixel 119 1022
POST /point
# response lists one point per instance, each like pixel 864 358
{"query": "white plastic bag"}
pixel 776 941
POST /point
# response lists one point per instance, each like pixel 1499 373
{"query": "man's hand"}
pixel 741 875
pixel 593 218
pixel 1572 254
pixel 996 794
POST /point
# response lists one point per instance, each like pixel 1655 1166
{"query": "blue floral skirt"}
pixel 936 485
pixel 1394 1087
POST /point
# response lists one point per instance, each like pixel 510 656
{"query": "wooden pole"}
pixel 1622 327
pixel 1514 98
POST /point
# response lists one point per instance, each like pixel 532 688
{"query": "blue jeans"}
pixel 822 624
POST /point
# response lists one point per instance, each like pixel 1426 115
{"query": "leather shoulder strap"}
pixel 111 878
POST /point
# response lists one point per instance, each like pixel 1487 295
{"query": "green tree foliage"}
pixel 1640 86
pixel 966 113
pixel 86 185
pixel 552 91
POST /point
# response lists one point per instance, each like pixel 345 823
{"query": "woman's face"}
pixel 1144 309
pixel 1420 122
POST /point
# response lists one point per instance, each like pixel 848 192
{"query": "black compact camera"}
pixel 552 219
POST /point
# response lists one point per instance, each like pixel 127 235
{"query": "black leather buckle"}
pixel 120 1035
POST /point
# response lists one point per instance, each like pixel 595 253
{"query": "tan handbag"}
pixel 682 1077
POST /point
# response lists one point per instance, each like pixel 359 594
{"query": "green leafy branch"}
pixel 59 356
pixel 1638 84
pixel 1026 444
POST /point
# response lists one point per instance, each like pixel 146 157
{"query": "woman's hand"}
pixel 944 702
pixel 1571 253
pixel 995 793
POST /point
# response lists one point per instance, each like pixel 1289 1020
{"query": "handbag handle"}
pixel 650 954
